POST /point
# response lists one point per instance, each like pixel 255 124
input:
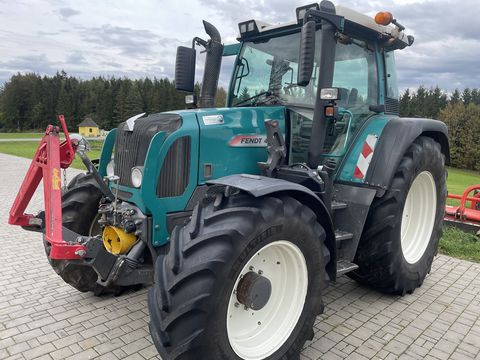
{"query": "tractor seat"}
pixel 343 101
pixel 352 97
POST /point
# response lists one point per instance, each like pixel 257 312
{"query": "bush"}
pixel 463 123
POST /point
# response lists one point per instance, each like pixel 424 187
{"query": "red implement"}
pixel 50 157
pixel 465 216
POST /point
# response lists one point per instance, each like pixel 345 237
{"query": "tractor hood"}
pixel 179 151
pixel 232 140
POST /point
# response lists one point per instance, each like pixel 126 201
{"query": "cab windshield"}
pixel 266 73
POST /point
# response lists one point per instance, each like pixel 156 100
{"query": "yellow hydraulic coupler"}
pixel 117 241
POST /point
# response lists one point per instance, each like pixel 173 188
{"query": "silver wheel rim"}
pixel 255 335
pixel 418 217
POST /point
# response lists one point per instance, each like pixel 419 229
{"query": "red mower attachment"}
pixel 465 216
pixel 50 157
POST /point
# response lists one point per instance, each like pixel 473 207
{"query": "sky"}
pixel 138 38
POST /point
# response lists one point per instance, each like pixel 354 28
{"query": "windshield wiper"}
pixel 263 93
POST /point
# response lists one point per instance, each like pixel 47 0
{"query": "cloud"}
pixel 449 63
pixel 66 12
pixel 128 41
pixel 237 11
pixel 132 38
pixel 76 58
pixel 112 64
pixel 30 63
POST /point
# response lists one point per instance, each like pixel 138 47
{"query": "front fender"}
pixel 396 137
pixel 259 186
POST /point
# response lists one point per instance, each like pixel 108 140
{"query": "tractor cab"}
pixel 346 75
pixel 266 73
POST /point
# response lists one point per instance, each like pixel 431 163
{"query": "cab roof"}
pixel 355 22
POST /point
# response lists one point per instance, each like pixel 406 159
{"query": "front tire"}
pixel 79 213
pixel 194 303
pixel 403 228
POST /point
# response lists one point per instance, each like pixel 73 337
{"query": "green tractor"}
pixel 241 216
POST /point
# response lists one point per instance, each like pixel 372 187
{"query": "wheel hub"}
pixel 254 290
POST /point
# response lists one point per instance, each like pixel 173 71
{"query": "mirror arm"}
pixel 318 15
pixel 199 41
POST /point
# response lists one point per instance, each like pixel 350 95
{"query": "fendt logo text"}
pixel 249 141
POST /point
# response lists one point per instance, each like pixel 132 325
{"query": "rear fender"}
pixel 396 137
pixel 259 186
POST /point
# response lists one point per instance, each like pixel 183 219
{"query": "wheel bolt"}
pixel 237 304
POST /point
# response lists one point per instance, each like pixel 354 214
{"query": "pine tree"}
pixel 405 100
pixel 38 115
pixel 466 96
pixel 244 95
pixel 455 98
pixel 221 98
pixel 133 102
pixel 65 103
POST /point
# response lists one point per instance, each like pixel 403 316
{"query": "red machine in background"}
pixel 465 216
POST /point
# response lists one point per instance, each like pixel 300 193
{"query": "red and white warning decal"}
pixel 365 157
pixel 249 141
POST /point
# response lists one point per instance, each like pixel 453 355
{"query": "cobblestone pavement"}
pixel 41 317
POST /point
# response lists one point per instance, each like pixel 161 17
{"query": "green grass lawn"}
pixel 454 242
pixel 460 244
pixel 21 135
pixel 459 180
pixel 27 149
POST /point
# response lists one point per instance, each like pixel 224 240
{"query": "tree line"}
pixel 429 102
pixel 29 102
pixel 460 111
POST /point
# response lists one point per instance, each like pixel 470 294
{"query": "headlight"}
pixel 111 168
pixel 137 176
pixel 330 94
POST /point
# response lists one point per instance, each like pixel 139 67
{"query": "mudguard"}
pixel 397 136
pixel 259 186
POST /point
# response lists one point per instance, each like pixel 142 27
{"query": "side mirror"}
pixel 185 69
pixel 306 54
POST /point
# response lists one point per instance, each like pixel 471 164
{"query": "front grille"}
pixel 175 171
pixel 131 146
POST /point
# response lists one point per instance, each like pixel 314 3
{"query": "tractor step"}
pixel 344 266
pixel 342 235
pixel 336 205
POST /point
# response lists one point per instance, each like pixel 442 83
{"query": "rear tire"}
pixel 402 230
pixel 191 303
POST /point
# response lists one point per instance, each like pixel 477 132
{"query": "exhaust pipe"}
pixel 213 62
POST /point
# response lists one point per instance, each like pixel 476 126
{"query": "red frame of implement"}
pixel 50 157
pixel 462 213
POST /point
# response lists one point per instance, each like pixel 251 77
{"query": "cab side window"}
pixel 391 83
pixel 355 75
